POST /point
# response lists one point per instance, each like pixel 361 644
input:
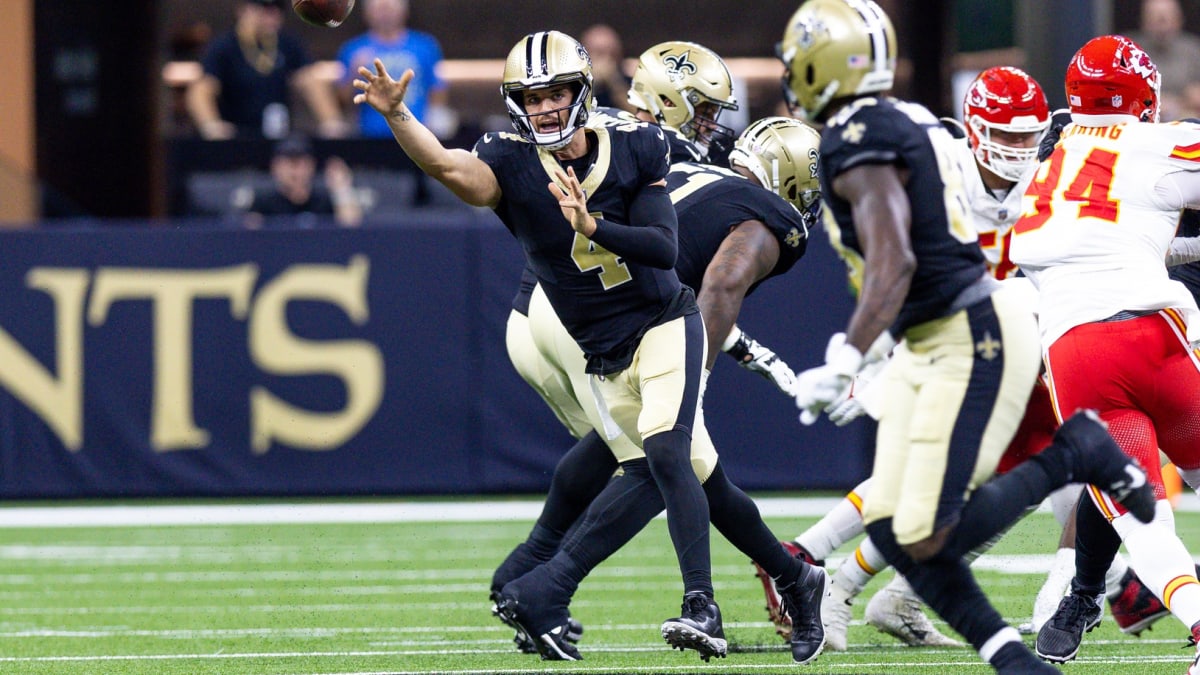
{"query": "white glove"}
pixel 817 388
pixel 860 398
pixel 759 359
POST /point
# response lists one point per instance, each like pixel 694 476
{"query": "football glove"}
pixel 860 398
pixel 1059 119
pixel 759 359
pixel 817 388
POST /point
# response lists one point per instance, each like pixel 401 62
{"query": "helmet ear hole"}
pixel 810 75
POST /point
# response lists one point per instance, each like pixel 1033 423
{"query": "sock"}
pixel 669 456
pixel 945 584
pixel 856 571
pixel 539 547
pixel 618 513
pixel 840 525
pixel 1114 576
pixel 737 518
pixel 1163 562
pixel 1054 587
pixel 578 478
pixel 1096 545
pixel 1006 651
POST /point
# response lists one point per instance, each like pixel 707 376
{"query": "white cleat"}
pixel 899 614
pixel 836 615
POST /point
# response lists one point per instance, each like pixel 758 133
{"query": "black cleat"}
pixel 698 627
pixel 1097 459
pixel 802 601
pixel 553 645
pixel 520 637
pixel 1058 640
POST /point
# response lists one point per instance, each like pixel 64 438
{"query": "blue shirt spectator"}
pixel 390 40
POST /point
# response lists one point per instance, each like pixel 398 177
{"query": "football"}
pixel 327 13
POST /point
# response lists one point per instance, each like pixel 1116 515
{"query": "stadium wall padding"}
pixel 188 360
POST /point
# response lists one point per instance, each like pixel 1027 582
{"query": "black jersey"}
pixel 710 200
pixel 889 131
pixel 1189 273
pixel 605 301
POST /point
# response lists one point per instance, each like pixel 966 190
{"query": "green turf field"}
pixel 396 597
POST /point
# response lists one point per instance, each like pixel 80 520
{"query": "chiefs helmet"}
pixel 783 154
pixel 835 48
pixel 1111 75
pixel 673 78
pixel 542 60
pixel 1009 100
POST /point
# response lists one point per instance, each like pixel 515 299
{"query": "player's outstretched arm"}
pixel 465 174
pixel 747 254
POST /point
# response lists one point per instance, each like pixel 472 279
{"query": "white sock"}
pixel 1062 502
pixel 840 525
pixel 856 571
pixel 1163 562
pixel 1054 587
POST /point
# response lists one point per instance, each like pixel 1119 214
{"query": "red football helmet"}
pixel 1006 100
pixel 1111 75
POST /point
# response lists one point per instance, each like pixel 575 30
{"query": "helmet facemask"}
pixel 527 123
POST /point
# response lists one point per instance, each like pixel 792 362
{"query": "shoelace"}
pixel 1076 614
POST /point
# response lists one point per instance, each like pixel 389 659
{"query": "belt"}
pixel 1127 314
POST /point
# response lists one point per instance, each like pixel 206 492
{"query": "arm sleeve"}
pixel 650 239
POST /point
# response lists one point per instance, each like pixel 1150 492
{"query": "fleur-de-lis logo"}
pixel 678 65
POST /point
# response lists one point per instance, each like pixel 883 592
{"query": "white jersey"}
pixel 993 216
pixel 1098 219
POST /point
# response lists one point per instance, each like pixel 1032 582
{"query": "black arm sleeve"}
pixel 651 238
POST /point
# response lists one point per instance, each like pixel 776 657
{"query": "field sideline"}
pixel 332 587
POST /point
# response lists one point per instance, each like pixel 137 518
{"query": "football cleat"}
pixel 1135 609
pixel 783 623
pixel 899 614
pixel 551 645
pixel 698 627
pixel 835 616
pixel 1058 641
pixel 521 639
pixel 802 602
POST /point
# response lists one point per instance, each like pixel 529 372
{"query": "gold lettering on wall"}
pixel 172 293
pixel 58 401
pixel 275 349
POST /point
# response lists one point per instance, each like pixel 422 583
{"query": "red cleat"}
pixel 1136 608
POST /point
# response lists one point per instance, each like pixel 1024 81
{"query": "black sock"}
pixel 538 548
pixel 669 455
pixel 1096 544
pixel 737 518
pixel 945 584
pixel 625 506
pixel 578 478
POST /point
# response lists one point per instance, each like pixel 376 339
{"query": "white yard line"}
pixel 350 512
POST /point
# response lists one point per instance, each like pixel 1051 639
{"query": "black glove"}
pixel 1058 120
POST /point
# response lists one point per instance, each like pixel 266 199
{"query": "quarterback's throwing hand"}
pixel 378 90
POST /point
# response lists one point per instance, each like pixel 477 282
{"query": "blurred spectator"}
pixel 985 36
pixel 1175 52
pixel 611 82
pixel 295 192
pixel 389 39
pixel 247 75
